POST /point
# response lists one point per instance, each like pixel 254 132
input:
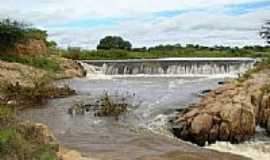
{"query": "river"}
pixel 143 132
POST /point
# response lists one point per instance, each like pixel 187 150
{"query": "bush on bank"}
pixel 27 96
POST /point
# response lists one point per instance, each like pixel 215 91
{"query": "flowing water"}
pixel 142 133
pixel 173 66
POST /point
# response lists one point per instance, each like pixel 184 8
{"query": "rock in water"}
pixel 229 113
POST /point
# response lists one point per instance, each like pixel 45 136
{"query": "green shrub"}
pixel 45 152
pixel 34 33
pixel 39 93
pixel 5 137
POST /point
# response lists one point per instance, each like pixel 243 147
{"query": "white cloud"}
pixel 205 23
pixel 75 8
pixel 192 27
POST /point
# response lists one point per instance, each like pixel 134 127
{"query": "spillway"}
pixel 171 66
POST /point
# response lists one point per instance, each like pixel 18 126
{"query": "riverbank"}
pixel 29 83
pixel 25 140
pixel 230 112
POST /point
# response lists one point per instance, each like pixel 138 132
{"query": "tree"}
pixel 11 32
pixel 51 44
pixel 265 31
pixel 114 42
pixel 35 33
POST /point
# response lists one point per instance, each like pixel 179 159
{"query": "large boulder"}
pixel 69 68
pixel 229 113
pixel 40 133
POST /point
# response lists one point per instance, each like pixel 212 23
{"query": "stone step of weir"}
pixel 172 66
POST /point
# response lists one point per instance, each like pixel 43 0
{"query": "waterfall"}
pixel 92 71
pixel 171 67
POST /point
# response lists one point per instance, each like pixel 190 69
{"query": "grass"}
pixel 17 145
pixel 41 62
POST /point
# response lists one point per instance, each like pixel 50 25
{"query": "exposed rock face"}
pixel 15 72
pixel 229 113
pixel 30 47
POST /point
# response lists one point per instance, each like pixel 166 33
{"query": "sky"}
pixel 144 22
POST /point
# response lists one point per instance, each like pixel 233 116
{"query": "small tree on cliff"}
pixel 114 42
pixel 11 32
pixel 265 31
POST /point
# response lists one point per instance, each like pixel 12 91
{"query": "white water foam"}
pixel 257 148
pixel 186 68
pixel 94 72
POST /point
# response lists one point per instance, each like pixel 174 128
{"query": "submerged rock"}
pixel 229 113
pixel 204 92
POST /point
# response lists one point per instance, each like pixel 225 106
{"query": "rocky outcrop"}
pixel 69 68
pixel 229 113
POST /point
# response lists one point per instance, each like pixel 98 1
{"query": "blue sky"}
pixel 144 22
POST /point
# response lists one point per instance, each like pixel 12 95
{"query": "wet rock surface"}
pixel 229 113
